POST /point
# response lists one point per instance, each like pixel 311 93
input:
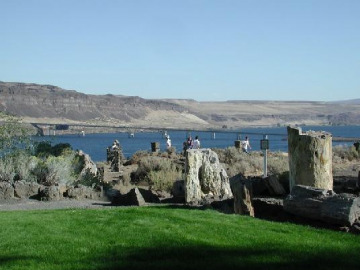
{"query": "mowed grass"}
pixel 165 237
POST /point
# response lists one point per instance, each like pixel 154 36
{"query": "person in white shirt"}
pixel 196 143
pixel 115 146
pixel 168 142
pixel 245 145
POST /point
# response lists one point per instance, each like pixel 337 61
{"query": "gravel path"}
pixel 45 205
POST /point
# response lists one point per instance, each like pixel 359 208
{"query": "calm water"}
pixel 95 144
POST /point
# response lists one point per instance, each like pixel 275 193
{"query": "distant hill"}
pixel 349 101
pixel 51 104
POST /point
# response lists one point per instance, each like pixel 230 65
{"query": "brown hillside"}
pixel 51 104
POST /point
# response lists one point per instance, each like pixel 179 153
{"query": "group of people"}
pixel 191 144
pixel 188 144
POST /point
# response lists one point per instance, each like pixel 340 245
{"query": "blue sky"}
pixel 203 50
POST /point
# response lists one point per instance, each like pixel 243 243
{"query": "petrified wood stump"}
pixel 310 158
pixel 242 191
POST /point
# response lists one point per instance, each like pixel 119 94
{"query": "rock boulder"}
pixel 6 191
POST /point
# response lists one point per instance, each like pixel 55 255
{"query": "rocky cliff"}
pixel 51 104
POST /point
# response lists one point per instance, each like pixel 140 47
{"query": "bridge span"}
pixel 51 128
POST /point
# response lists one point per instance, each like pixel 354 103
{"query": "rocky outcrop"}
pixel 310 158
pixel 205 178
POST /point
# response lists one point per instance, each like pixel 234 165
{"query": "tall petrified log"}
pixel 310 158
pixel 205 179
pixel 323 204
pixel 242 191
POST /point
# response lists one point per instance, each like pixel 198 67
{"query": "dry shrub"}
pixel 137 156
pixel 159 172
pixel 126 179
pixel 236 161
pixel 344 152
pixel 7 170
pixel 55 170
pixel 171 151
pixel 278 163
pixel 164 180
pixel 17 166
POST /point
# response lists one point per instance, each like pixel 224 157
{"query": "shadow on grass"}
pixel 11 260
pixel 207 257
pixel 263 211
pixel 270 212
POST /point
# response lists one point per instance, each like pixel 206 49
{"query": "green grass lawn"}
pixel 165 237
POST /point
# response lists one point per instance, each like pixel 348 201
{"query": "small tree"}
pixel 15 160
pixel 12 134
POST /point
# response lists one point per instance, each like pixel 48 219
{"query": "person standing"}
pixel 168 142
pixel 196 143
pixel 115 146
pixel 245 145
pixel 189 143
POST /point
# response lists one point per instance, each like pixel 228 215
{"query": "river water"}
pixel 95 144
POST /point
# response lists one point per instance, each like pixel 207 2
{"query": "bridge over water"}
pixel 51 129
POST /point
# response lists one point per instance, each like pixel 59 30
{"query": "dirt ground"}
pixel 29 204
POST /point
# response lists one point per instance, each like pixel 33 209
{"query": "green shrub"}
pixel 12 134
pixel 45 149
pixel 42 149
pixel 89 179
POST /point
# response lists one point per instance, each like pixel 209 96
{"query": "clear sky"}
pixel 207 50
